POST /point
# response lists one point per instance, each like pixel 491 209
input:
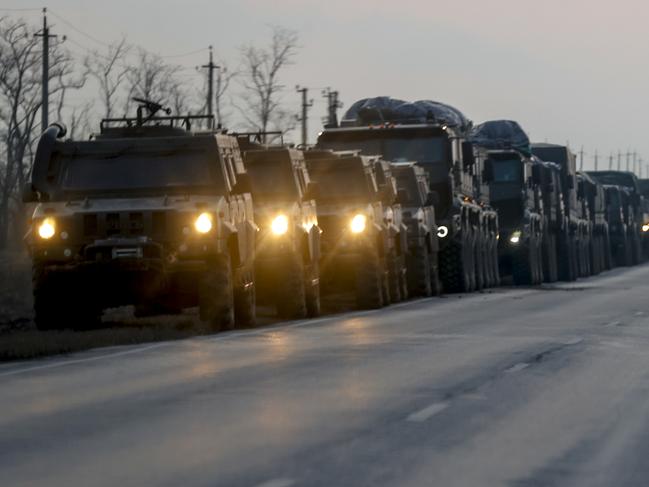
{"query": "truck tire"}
pixel 370 282
pixel 245 300
pixel 453 267
pixel 215 295
pixel 523 272
pixel 394 277
pixel 419 272
pixel 312 290
pixel 290 295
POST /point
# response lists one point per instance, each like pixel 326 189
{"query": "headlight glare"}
pixel 203 223
pixel 47 229
pixel 279 225
pixel 358 223
pixel 645 227
pixel 515 237
pixel 442 231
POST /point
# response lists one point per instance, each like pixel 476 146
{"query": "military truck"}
pixel 515 195
pixel 568 245
pixel 616 217
pixel 633 197
pixel 591 193
pixel 288 243
pixel 548 176
pixel 362 242
pixel 433 135
pixel 148 213
pixel 643 185
pixel 422 249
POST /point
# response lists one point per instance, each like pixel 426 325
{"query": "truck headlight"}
pixel 47 229
pixel 515 237
pixel 442 231
pixel 279 225
pixel 203 223
pixel 645 227
pixel 357 225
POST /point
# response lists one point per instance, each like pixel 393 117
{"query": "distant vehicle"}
pixel 422 253
pixel 288 243
pixel 555 221
pixel 362 240
pixel 433 135
pixel 635 211
pixel 147 213
pixel 616 216
pixel 570 241
pixel 644 191
pixel 592 195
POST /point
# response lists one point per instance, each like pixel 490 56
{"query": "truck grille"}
pixel 128 224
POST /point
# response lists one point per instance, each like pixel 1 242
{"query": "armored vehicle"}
pixel 434 136
pixel 592 195
pixel 146 213
pixel 288 243
pixel 362 242
pixel 629 182
pixel 422 249
pixel 568 245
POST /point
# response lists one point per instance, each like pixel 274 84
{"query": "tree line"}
pixel 251 92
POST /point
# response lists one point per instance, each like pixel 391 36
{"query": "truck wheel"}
pixel 523 266
pixel 245 300
pixel 369 282
pixel 394 278
pixel 453 267
pixel 215 295
pixel 290 299
pixel 312 290
pixel 419 272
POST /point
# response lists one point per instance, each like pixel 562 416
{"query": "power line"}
pixel 20 9
pixel 187 53
pixel 73 27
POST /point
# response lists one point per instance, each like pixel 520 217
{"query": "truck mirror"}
pixel 467 154
pixel 29 195
pixel 432 199
pixel 488 171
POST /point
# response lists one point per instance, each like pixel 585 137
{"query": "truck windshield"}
pixel 127 172
pixel 272 183
pixel 507 171
pixel 340 182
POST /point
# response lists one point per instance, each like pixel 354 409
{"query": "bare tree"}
pixel 20 102
pixel 153 79
pixel 110 71
pixel 261 89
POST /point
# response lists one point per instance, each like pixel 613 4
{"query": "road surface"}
pixel 516 387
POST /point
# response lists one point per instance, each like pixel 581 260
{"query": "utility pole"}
pixel 210 83
pixel 332 107
pixel 306 104
pixel 45 106
pixel 634 161
pixel 619 159
pixel 581 158
pixel 610 161
pixel 596 159
pixel 628 155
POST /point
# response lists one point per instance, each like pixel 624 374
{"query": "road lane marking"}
pixel 428 412
pixel 277 483
pixel 517 368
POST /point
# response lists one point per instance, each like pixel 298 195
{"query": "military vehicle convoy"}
pixel 515 194
pixel 434 136
pixel 417 204
pixel 288 243
pixel 555 223
pixel 592 195
pixel 146 213
pixel 362 241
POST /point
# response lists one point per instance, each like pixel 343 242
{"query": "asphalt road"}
pixel 517 387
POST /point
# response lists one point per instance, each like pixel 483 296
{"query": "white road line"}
pixel 277 483
pixel 428 412
pixel 517 368
pixel 82 360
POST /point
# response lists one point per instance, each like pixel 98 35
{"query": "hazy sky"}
pixel 566 70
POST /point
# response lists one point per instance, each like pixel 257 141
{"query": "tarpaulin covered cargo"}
pixel 501 134
pixel 385 109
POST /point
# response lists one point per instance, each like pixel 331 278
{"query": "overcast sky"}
pixel 566 70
